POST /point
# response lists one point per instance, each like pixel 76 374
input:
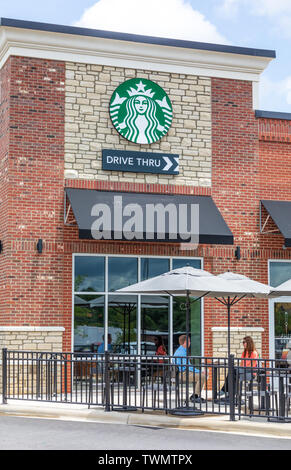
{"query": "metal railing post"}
pixel 4 376
pixel 231 387
pixel 107 382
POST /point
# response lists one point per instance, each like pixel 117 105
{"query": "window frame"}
pixel 106 294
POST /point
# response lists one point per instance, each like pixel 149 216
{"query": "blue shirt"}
pixel 181 355
pixel 101 348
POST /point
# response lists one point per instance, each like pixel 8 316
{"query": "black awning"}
pixel 280 211
pixel 174 220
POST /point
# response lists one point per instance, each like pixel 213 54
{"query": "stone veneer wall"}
pixel 35 339
pixel 25 338
pixel 219 338
pixel 88 127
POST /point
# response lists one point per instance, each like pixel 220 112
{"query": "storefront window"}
pixel 122 323
pixel 154 323
pixel 133 322
pixel 88 322
pixel 179 323
pixel 179 312
pixel 181 262
pixel 89 274
pixel 122 272
pixel 281 272
pixel 151 267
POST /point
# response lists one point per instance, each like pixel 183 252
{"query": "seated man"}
pixel 101 347
pixel 196 376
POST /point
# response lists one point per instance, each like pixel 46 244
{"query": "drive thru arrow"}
pixel 170 163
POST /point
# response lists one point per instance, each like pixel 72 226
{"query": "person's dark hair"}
pixel 109 336
pixel 159 341
pixel 249 347
pixel 182 339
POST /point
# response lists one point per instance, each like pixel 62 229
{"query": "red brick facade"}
pixel 249 163
pixel 33 171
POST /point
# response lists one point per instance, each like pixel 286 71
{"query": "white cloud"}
pixel 258 7
pixel 270 7
pixel 165 18
pixel 278 12
pixel 228 8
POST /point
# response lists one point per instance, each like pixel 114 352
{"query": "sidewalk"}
pixel 69 412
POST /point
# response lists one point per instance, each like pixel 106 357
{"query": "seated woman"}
pixel 160 347
pixel 160 351
pixel 245 372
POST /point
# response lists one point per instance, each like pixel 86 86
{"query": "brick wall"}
pixel 36 166
pixel 235 189
pixel 4 182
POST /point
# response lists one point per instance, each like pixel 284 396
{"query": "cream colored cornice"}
pixel 122 53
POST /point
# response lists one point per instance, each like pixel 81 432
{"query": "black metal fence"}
pixel 176 385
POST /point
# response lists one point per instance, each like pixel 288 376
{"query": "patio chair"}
pixel 249 387
pixel 162 388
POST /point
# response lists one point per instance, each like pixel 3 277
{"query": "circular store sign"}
pixel 141 111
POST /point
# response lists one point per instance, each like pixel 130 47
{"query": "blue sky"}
pixel 264 24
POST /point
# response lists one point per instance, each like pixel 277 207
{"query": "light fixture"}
pixel 39 246
pixel 237 253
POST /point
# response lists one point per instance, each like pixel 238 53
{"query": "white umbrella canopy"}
pixel 181 281
pixel 228 288
pixel 282 290
pixel 186 281
pixel 240 285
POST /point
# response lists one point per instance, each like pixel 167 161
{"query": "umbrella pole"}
pixel 187 346
pixel 128 345
pixel 124 319
pixel 187 410
pixel 228 325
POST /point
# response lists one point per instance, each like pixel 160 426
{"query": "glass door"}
pixel 280 310
pixel 282 319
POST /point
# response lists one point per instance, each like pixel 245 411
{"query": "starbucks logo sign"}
pixel 141 111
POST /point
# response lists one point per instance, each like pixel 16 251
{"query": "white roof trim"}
pixel 100 51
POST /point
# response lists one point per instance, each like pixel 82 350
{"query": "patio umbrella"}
pixel 239 287
pixel 282 290
pixel 228 288
pixel 183 281
pixel 186 281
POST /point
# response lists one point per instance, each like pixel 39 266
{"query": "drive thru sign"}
pixel 121 160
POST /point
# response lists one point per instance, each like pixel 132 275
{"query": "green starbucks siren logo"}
pixel 141 111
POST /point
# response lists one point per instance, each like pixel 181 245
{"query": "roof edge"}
pixel 272 115
pixel 74 30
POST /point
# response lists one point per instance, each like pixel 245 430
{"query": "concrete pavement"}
pixel 70 412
